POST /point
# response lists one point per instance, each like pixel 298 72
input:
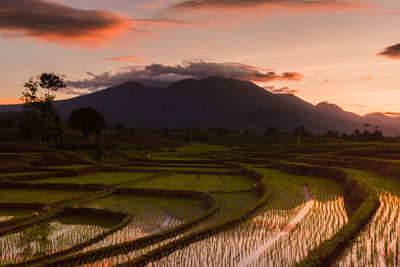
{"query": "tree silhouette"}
pixel 299 133
pixel 88 120
pixel 120 127
pixel 40 120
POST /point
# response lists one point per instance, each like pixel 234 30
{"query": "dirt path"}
pixel 285 231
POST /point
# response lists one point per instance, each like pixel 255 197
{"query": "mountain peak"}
pixel 215 80
pixel 328 106
pixel 376 115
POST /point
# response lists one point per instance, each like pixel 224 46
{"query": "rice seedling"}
pixel 8 214
pixel 187 169
pixel 44 238
pixel 288 233
pixel 172 182
pixel 37 196
pixel 378 244
pixel 67 167
pixel 97 178
pixel 150 215
pixel 300 214
pixel 233 204
pixel 197 182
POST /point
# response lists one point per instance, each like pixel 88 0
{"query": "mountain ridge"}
pixel 216 102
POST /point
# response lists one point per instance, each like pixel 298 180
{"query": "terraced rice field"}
pixel 37 196
pixel 197 182
pixel 98 178
pixel 288 204
pixel 182 169
pixel 378 244
pixel 151 215
pixel 7 214
pixel 275 237
pixel 45 238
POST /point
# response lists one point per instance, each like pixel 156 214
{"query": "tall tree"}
pixel 40 120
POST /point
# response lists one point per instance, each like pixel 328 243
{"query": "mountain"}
pixel 216 102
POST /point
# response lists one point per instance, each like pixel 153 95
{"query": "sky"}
pixel 341 51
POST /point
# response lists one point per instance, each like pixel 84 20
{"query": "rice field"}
pixel 182 169
pixel 37 196
pixel 108 178
pixel 151 215
pixel 45 238
pixel 276 237
pixel 378 244
pixel 258 217
pixel 197 182
pixel 8 214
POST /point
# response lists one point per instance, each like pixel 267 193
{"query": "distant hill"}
pixel 216 102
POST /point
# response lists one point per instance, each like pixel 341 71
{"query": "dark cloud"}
pixel 52 21
pixel 163 75
pixel 392 52
pixel 312 4
pixel 282 90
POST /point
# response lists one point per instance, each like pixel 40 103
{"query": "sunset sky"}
pixel 343 52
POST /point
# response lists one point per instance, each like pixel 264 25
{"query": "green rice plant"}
pixel 197 182
pixel 8 213
pixel 180 169
pixel 45 238
pixel 268 238
pixel 378 243
pixel 67 167
pixel 151 215
pixel 233 205
pixel 108 178
pixel 170 182
pixel 236 183
pixel 37 196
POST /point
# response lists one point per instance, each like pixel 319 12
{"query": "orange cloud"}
pixel 368 78
pixel 282 90
pixel 51 21
pixel 135 59
pixel 392 52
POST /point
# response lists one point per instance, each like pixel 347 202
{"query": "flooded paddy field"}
pixel 275 205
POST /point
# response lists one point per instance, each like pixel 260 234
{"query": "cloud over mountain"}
pixel 162 75
pixel 282 90
pixel 52 21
